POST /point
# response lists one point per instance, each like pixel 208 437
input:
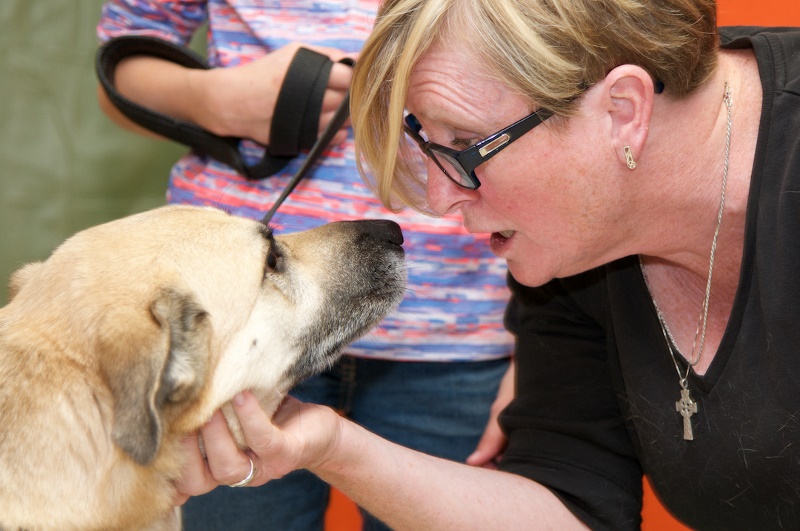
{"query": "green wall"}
pixel 63 165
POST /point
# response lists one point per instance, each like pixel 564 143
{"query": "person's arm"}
pixel 157 84
pixel 237 101
pixel 404 488
pixel 565 426
pixel 493 441
pixel 569 460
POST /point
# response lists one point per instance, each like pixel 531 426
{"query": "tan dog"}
pixel 134 332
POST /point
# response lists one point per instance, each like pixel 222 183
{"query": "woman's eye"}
pixel 463 143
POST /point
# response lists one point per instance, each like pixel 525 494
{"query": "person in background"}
pixel 429 376
pixel 638 169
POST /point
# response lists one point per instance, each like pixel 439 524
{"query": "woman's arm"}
pixel 493 441
pixel 404 488
pixel 157 84
pixel 237 101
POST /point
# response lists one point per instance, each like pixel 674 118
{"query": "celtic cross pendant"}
pixel 686 407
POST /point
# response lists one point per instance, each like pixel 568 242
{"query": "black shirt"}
pixel 597 387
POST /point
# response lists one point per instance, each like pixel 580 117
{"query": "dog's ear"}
pixel 20 277
pixel 152 363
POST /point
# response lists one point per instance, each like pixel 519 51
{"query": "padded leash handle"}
pixel 319 146
pixel 294 126
pixel 224 149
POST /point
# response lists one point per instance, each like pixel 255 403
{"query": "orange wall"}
pixel 343 516
pixel 758 12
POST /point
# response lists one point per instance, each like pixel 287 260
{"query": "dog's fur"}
pixel 134 332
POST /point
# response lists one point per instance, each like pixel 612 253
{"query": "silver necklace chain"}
pixel 686 406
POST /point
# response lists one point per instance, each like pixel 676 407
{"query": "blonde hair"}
pixel 548 51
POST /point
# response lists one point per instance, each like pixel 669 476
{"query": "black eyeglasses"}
pixel 459 166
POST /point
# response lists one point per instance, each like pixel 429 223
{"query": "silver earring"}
pixel 629 157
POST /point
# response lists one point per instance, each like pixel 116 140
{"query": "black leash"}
pixel 319 146
pixel 294 125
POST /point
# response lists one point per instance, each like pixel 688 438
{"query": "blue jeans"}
pixel 437 408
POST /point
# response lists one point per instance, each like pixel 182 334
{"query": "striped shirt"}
pixel 456 296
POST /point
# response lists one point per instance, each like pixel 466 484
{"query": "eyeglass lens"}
pixel 451 168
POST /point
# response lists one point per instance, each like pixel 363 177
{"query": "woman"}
pixel 645 199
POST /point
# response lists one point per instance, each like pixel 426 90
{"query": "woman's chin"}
pixel 529 271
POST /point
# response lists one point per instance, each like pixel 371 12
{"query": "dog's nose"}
pixel 382 229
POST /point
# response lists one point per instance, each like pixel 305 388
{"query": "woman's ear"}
pixel 629 92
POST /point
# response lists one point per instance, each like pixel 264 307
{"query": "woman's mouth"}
pixel 500 240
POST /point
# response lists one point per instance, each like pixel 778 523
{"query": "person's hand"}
pixel 299 436
pixel 493 441
pixel 240 100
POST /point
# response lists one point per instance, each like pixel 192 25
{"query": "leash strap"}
pixel 322 142
pixel 294 125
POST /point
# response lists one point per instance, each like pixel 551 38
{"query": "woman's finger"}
pixel 278 453
pixel 256 425
pixel 340 77
pixel 489 448
pixel 196 478
pixel 227 463
pixel 331 101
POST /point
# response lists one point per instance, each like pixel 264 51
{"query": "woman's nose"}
pixel 443 195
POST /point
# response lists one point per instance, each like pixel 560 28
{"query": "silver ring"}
pixel 249 477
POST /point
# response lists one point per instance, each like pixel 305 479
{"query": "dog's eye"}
pixel 274 260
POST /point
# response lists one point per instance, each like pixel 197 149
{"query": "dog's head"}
pixel 179 308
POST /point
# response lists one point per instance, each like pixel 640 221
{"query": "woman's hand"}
pixel 299 436
pixel 493 442
pixel 237 101
pixel 240 100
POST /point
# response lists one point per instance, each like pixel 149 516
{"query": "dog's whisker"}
pixel 223 193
